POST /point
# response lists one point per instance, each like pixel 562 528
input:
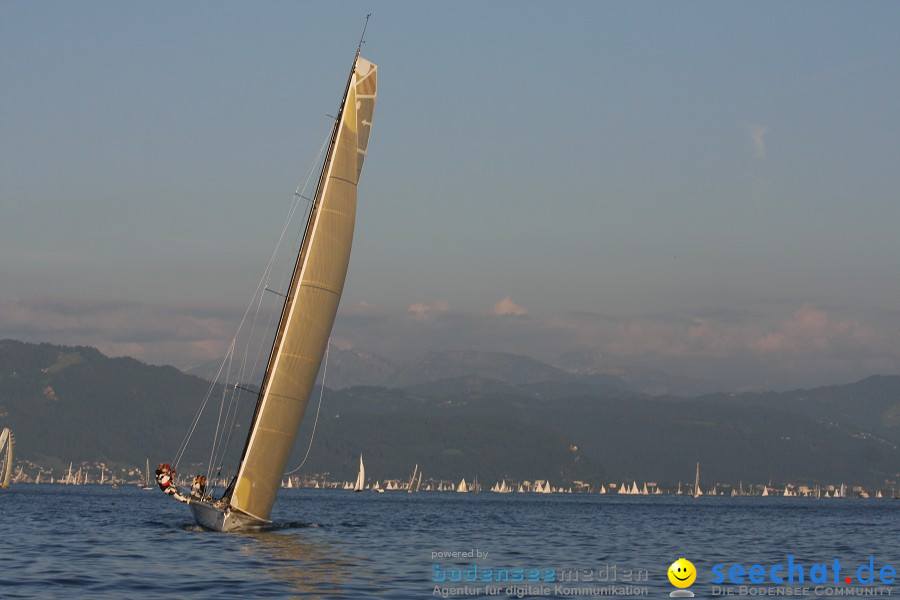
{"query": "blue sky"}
pixel 705 188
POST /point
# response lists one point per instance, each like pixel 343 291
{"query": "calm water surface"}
pixel 98 542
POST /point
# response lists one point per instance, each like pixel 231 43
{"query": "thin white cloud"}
pixel 757 135
pixel 506 306
pixel 426 310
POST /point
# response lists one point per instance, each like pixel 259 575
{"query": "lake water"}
pixel 98 542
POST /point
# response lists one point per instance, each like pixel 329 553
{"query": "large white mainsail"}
pixel 307 317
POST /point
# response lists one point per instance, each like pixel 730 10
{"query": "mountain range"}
pixel 354 367
pixel 457 414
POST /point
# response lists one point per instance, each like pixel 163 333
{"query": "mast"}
pixel 310 303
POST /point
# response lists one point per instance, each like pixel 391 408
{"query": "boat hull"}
pixel 225 519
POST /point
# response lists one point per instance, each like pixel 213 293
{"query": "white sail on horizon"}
pixel 7 443
pixel 360 484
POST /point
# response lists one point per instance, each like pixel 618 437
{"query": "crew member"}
pixel 198 488
pixel 164 478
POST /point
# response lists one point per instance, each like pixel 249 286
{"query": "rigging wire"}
pixel 212 386
pixel 212 452
pixel 232 412
pixel 316 422
pixel 230 352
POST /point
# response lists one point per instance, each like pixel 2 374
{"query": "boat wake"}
pixel 194 527
pixel 295 525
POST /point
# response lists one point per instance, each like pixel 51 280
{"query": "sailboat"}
pixel 7 442
pixel 306 318
pixel 146 485
pixel 697 491
pixel 360 484
pixel 412 480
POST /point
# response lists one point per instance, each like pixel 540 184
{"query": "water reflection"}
pixel 310 565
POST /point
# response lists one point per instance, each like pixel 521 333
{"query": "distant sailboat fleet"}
pixel 81 475
pixel 415 483
pixel 100 474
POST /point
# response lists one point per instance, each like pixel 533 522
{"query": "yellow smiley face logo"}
pixel 682 573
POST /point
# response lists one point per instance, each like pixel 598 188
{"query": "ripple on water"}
pixel 75 542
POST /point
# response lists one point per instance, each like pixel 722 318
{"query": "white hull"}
pixel 223 519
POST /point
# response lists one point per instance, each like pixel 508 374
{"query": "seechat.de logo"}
pixel 682 574
pixel 791 571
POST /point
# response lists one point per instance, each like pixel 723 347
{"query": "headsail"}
pixel 311 303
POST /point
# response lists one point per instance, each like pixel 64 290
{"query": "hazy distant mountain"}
pixel 871 405
pixel 433 370
pixel 205 370
pixel 513 417
pixel 475 386
pixel 73 404
pixel 508 368
pixel 648 381
pixel 345 368
pixel 352 367
pixel 629 437
pixel 395 431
